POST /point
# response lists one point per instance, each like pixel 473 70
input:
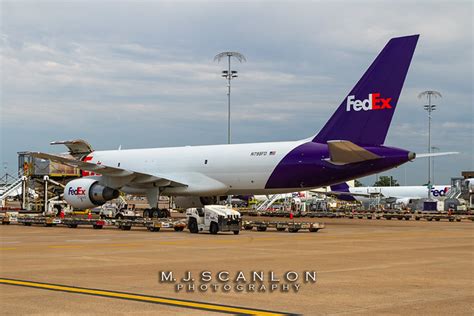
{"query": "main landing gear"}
pixel 156 213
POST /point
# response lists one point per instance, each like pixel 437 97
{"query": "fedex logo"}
pixel 441 192
pixel 77 191
pixel 374 102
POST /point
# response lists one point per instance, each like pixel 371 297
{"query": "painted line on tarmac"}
pixel 143 298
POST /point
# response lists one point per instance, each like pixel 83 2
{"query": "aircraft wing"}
pixel 134 178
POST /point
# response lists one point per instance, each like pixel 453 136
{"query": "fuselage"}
pixel 401 192
pixel 254 168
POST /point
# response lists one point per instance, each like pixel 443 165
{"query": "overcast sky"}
pixel 141 74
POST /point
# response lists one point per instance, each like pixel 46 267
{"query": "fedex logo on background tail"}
pixel 374 102
pixel 439 192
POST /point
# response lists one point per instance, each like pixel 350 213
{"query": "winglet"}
pixel 77 148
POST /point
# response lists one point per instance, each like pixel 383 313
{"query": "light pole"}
pixel 429 94
pixel 433 149
pixel 229 74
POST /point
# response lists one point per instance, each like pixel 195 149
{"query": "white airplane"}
pixel 349 146
pixel 399 194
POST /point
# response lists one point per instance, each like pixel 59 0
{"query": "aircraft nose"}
pixel 411 155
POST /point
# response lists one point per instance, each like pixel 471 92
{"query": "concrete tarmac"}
pixel 363 267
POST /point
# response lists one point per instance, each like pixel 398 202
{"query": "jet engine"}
pixel 87 193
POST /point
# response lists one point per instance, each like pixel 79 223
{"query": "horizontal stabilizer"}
pixel 436 154
pixel 345 152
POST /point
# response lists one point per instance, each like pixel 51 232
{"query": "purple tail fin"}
pixel 342 187
pixel 365 114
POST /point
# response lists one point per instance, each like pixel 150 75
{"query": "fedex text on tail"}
pixel 374 102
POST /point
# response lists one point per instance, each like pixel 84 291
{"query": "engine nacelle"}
pixel 87 193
